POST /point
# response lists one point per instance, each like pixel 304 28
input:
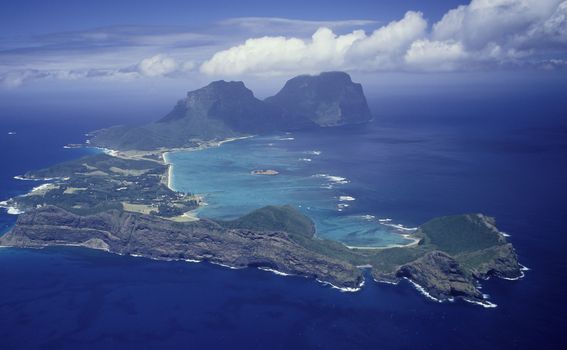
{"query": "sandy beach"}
pixel 415 241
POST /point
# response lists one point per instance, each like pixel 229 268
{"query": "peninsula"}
pixel 120 201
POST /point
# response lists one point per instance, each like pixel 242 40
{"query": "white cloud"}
pixel 384 48
pixel 14 79
pixel 151 67
pixel 290 26
pixel 394 37
pixel 485 34
pixel 435 55
pixel 263 55
pixel 324 50
pixel 551 31
pixel 514 24
pixel 158 65
pixel 188 66
pixel 482 35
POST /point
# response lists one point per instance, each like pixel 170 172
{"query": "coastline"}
pixel 160 156
pixel 169 174
pixel 165 155
pixel 415 241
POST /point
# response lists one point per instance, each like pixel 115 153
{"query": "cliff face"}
pixel 278 238
pixel 226 109
pixel 451 254
pixel 328 99
pixel 441 276
pixel 149 236
pixel 230 103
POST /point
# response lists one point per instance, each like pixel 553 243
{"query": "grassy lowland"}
pixel 101 182
pixel 461 233
pixel 275 218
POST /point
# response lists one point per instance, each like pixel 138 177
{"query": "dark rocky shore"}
pixel 122 204
pixel 276 238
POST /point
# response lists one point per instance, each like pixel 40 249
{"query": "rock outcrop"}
pixel 441 276
pixel 328 99
pixel 149 236
pixel 228 109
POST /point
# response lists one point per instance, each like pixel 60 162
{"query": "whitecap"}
pixel 41 187
pixel 279 273
pixel 342 289
pixel 21 177
pixel 342 206
pixel 423 291
pixel 333 178
pixel 346 198
pixel 485 303
pixel 522 275
pixel 14 211
pixel 224 265
pixel 395 283
pixel 110 152
pixel 401 227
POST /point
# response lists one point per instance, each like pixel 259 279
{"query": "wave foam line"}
pixel 400 227
pixel 14 211
pixel 333 178
pixel 423 291
pixel 279 273
pixel 224 265
pixel 395 283
pixel 22 178
pixel 342 289
pixel 485 303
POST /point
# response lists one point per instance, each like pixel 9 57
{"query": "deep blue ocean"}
pixel 406 169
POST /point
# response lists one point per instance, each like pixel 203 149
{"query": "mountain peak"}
pixel 336 76
pixel 327 99
pixel 225 85
pixel 228 108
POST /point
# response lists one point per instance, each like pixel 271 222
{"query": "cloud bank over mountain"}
pixel 485 35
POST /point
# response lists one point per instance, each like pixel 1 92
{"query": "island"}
pixel 121 201
pixel 265 172
pixel 224 110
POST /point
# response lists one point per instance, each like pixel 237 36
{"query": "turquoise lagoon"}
pixel 223 177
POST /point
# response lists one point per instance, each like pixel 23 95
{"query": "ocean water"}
pixel 406 170
pixel 307 178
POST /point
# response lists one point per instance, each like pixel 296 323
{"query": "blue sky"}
pixel 40 17
pixel 56 49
